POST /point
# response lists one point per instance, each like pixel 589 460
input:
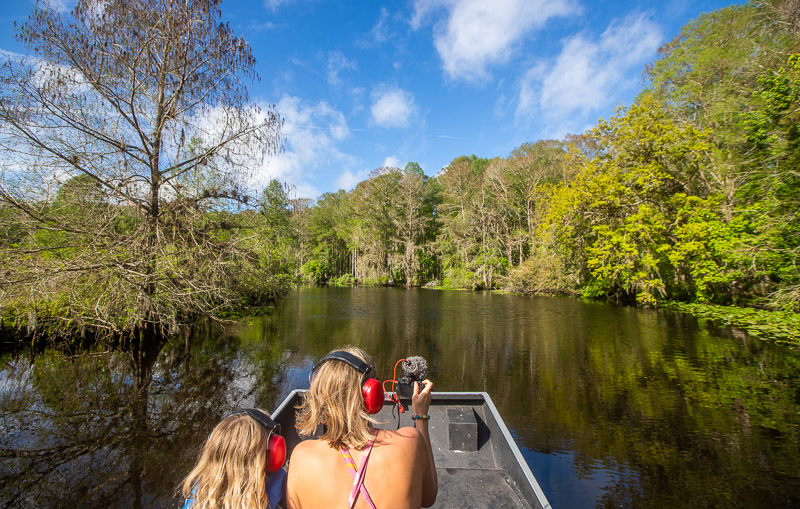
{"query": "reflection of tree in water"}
pixel 118 428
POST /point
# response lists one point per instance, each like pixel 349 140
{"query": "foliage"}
pixel 543 273
pixel 774 188
pixel 275 208
pixel 459 277
pixel 344 280
pixel 116 186
pixel 314 272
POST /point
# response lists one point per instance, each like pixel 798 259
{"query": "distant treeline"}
pixel 691 194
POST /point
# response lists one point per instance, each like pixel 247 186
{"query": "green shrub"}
pixel 344 280
pixel 313 271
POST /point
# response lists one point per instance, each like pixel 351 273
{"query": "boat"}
pixel 478 464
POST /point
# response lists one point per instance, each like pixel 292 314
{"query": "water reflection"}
pixel 615 406
pixel 121 429
pixel 612 407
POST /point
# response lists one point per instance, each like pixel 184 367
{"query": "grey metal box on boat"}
pixel 462 429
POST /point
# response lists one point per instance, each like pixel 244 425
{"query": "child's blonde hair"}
pixel 335 400
pixel 232 467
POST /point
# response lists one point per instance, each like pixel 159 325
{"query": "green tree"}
pixel 730 74
pixel 275 206
pixel 330 226
pixel 414 223
pixel 376 214
pixel 112 95
pixel 625 212
pixel 774 137
pixel 463 224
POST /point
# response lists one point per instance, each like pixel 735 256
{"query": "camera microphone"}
pixel 415 368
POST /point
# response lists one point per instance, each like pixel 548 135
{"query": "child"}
pixel 239 466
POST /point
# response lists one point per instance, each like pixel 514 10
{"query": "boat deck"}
pixel 477 488
pixel 475 478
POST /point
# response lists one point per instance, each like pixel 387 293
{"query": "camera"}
pixel 405 386
pixel 415 369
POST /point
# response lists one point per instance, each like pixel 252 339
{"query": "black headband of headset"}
pixel 348 358
pixel 261 417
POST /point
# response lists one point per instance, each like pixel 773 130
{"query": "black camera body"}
pixel 405 386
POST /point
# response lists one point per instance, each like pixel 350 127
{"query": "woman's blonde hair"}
pixel 335 400
pixel 232 467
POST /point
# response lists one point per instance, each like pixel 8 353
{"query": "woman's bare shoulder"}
pixel 404 437
pixel 409 432
pixel 308 450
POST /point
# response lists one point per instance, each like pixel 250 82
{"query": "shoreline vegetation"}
pixel 125 219
pixel 782 327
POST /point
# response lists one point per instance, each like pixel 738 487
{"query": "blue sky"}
pixel 365 84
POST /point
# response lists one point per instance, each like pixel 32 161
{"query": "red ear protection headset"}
pixel 276 444
pixel 371 388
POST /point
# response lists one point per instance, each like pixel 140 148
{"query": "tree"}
pixel 330 225
pixel 642 218
pixel 275 203
pixel 730 73
pixel 414 221
pixel 146 100
pixel 773 133
pixel 376 214
pixel 462 221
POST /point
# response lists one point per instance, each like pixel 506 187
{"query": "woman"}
pixel 353 464
pixel 239 466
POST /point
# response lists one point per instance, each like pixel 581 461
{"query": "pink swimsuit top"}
pixel 358 475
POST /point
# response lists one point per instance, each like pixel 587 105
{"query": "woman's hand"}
pixel 421 401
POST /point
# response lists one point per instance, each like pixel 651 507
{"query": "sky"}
pixel 367 84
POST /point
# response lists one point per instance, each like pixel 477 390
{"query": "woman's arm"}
pixel 420 403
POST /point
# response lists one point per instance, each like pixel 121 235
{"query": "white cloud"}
pixel 348 180
pixel 588 75
pixel 305 190
pixel 337 62
pixel 312 132
pixel 392 107
pixel 380 32
pixel 241 158
pixel 60 5
pixel 392 162
pixel 274 4
pixel 263 25
pixel 47 73
pixel 477 34
pixel 7 56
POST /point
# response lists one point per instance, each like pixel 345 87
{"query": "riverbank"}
pixel 782 327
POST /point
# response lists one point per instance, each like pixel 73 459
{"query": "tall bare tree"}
pixel 146 100
pixel 375 212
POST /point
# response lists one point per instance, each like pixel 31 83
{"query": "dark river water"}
pixel 611 406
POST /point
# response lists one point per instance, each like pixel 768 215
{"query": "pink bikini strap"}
pixel 358 475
